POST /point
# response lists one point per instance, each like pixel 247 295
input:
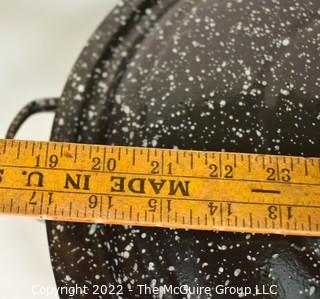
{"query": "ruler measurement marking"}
pixel 90 152
pixel 312 161
pixel 61 151
pixel 41 203
pixel 265 191
pixel 220 165
pixel 75 153
pixel 162 162
pixel 306 167
pixel 104 159
pixel 85 212
pixel 101 205
pixel 161 210
pixel 133 156
pixel 119 153
pixel 148 155
pixel 32 148
pixel 251 221
pixel 11 202
pixel 46 158
pixel 278 171
pixel 280 217
pixel 196 220
pixel 265 222
pixel 309 222
pixel 18 149
pixel 4 146
pixel 70 208
pixel 191 160
pixel 171 198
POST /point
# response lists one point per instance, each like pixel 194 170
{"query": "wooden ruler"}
pixel 160 187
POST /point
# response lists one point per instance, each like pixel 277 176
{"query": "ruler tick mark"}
pixel 18 149
pixel 32 148
pixel 70 208
pixel 265 191
pixel 309 222
pixel 104 159
pixel 4 146
pixel 249 163
pixel 75 154
pixel 133 156
pixel 278 171
pixel 306 167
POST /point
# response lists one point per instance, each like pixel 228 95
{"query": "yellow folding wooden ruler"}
pixel 160 187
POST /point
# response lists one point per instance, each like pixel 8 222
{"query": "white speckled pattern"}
pixel 234 75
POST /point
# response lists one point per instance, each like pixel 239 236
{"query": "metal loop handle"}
pixel 36 106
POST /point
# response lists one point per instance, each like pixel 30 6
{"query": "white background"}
pixel 39 42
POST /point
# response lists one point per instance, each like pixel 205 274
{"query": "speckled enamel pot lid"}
pixel 210 75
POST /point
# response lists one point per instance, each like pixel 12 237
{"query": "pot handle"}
pixel 36 106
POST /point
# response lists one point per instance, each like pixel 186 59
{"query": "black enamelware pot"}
pixel 234 75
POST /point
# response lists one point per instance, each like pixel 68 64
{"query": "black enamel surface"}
pixel 216 75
